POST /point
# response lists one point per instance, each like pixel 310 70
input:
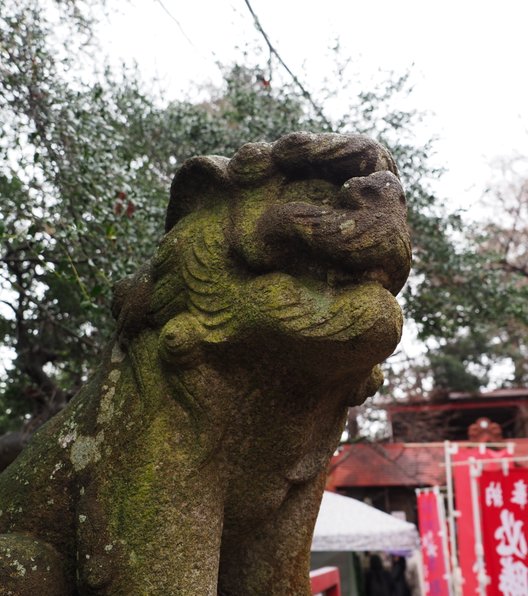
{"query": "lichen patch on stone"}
pixel 85 451
pixel 117 354
pixel 113 375
pixel 21 570
pixel 106 408
pixel 65 440
pixel 348 226
pixel 56 468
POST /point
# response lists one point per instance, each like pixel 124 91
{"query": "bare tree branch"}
pixel 273 51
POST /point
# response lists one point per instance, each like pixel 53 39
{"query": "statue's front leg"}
pixel 29 566
pixel 273 559
pixel 162 537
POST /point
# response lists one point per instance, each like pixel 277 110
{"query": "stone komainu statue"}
pixel 193 462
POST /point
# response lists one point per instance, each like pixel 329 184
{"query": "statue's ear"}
pixel 199 183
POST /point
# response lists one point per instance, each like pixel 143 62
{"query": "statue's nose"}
pixel 380 189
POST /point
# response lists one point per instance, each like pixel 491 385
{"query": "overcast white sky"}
pixel 469 60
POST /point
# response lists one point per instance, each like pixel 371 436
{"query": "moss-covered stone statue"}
pixel 193 462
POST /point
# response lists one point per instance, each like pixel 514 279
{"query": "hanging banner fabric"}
pixel 435 578
pixel 467 558
pixel 504 517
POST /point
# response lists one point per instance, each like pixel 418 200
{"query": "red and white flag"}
pixel 504 517
pixel 432 536
pixel 467 557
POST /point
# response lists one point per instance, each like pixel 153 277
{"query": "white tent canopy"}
pixel 346 524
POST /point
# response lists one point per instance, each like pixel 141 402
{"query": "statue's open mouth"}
pixel 339 279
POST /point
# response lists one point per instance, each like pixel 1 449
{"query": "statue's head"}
pixel 298 247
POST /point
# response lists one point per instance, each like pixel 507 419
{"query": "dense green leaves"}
pixel 70 188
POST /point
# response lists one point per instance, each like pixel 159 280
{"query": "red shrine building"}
pixel 387 474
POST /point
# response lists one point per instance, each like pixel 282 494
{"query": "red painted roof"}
pixel 499 397
pixel 498 393
pixel 394 464
pixel 475 404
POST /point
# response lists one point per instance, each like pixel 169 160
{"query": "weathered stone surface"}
pixel 193 462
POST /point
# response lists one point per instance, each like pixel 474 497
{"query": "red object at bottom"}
pixel 467 556
pixel 326 581
pixel 504 515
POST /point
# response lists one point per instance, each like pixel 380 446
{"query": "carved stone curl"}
pixel 193 462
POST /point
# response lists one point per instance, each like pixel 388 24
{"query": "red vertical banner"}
pixel 431 534
pixel 467 558
pixel 504 517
